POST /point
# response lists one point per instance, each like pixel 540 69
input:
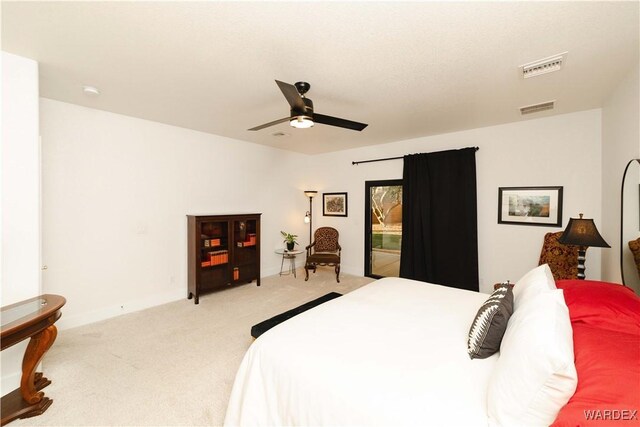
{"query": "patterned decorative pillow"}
pixel 490 323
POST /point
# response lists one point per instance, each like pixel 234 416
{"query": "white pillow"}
pixel 536 281
pixel 535 375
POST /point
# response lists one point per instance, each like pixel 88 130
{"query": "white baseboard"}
pixel 271 271
pixel 10 382
pixel 352 270
pixel 349 269
pixel 73 321
pixel 11 366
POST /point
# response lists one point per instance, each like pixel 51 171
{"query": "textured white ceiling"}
pixel 407 69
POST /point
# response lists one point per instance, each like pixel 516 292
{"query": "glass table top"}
pixel 22 310
pixel 289 252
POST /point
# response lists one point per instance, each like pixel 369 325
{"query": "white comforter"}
pixel 390 353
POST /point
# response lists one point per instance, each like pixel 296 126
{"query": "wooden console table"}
pixel 33 318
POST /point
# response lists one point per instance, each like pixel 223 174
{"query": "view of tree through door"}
pixel 383 228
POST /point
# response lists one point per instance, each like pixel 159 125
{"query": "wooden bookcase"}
pixel 224 250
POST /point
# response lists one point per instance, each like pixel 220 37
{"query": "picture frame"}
pixel 334 204
pixel 540 206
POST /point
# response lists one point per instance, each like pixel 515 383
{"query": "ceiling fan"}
pixel 302 115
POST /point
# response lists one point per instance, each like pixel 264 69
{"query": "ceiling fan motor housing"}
pixel 301 113
pixel 308 109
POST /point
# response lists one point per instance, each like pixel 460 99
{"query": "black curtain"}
pixel 439 218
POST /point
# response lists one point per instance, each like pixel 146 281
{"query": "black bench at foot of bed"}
pixel 262 327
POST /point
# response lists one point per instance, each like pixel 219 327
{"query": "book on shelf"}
pixel 251 241
pixel 219 257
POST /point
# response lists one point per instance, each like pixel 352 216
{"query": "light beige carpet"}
pixel 168 365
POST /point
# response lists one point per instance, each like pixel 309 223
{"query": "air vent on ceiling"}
pixel 536 108
pixel 544 66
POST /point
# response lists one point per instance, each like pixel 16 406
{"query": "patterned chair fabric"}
pixel 562 259
pixel 325 250
pixel 634 245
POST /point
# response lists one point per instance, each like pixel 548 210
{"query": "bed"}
pixel 393 352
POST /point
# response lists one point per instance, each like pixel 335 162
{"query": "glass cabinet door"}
pixel 214 253
pixel 245 234
pixel 214 243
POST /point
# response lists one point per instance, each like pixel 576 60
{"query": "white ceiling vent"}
pixel 544 66
pixel 536 108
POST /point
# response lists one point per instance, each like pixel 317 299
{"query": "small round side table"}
pixel 291 256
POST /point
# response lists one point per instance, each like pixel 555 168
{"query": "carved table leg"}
pixel 31 382
pixel 41 381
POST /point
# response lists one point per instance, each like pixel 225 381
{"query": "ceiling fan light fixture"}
pixel 301 122
pixel 301 115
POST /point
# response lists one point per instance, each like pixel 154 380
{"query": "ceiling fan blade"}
pixel 275 122
pixel 293 97
pixel 335 121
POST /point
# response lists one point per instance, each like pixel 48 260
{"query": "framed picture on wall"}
pixel 530 206
pixel 334 204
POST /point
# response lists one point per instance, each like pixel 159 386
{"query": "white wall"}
pixel 116 190
pixel 559 150
pixel 620 143
pixel 20 265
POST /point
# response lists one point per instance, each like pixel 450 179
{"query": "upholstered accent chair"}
pixel 562 259
pixel 324 250
pixel 634 245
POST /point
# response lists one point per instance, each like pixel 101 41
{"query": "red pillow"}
pixel 600 304
pixel 608 392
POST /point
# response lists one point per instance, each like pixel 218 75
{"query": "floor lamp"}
pixel 308 215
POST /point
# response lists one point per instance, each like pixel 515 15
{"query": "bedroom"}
pixel 116 186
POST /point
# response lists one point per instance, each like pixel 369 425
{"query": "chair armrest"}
pixel 308 248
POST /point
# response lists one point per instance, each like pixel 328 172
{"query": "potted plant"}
pixel 289 239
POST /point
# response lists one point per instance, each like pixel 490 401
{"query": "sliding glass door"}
pixel 383 228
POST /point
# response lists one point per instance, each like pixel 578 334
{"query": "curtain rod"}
pixel 386 158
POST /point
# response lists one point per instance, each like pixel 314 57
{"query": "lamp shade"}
pixel 310 193
pixel 582 232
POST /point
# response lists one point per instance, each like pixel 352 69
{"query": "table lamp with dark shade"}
pixel 582 233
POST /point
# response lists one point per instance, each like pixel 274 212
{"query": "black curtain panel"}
pixel 439 218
